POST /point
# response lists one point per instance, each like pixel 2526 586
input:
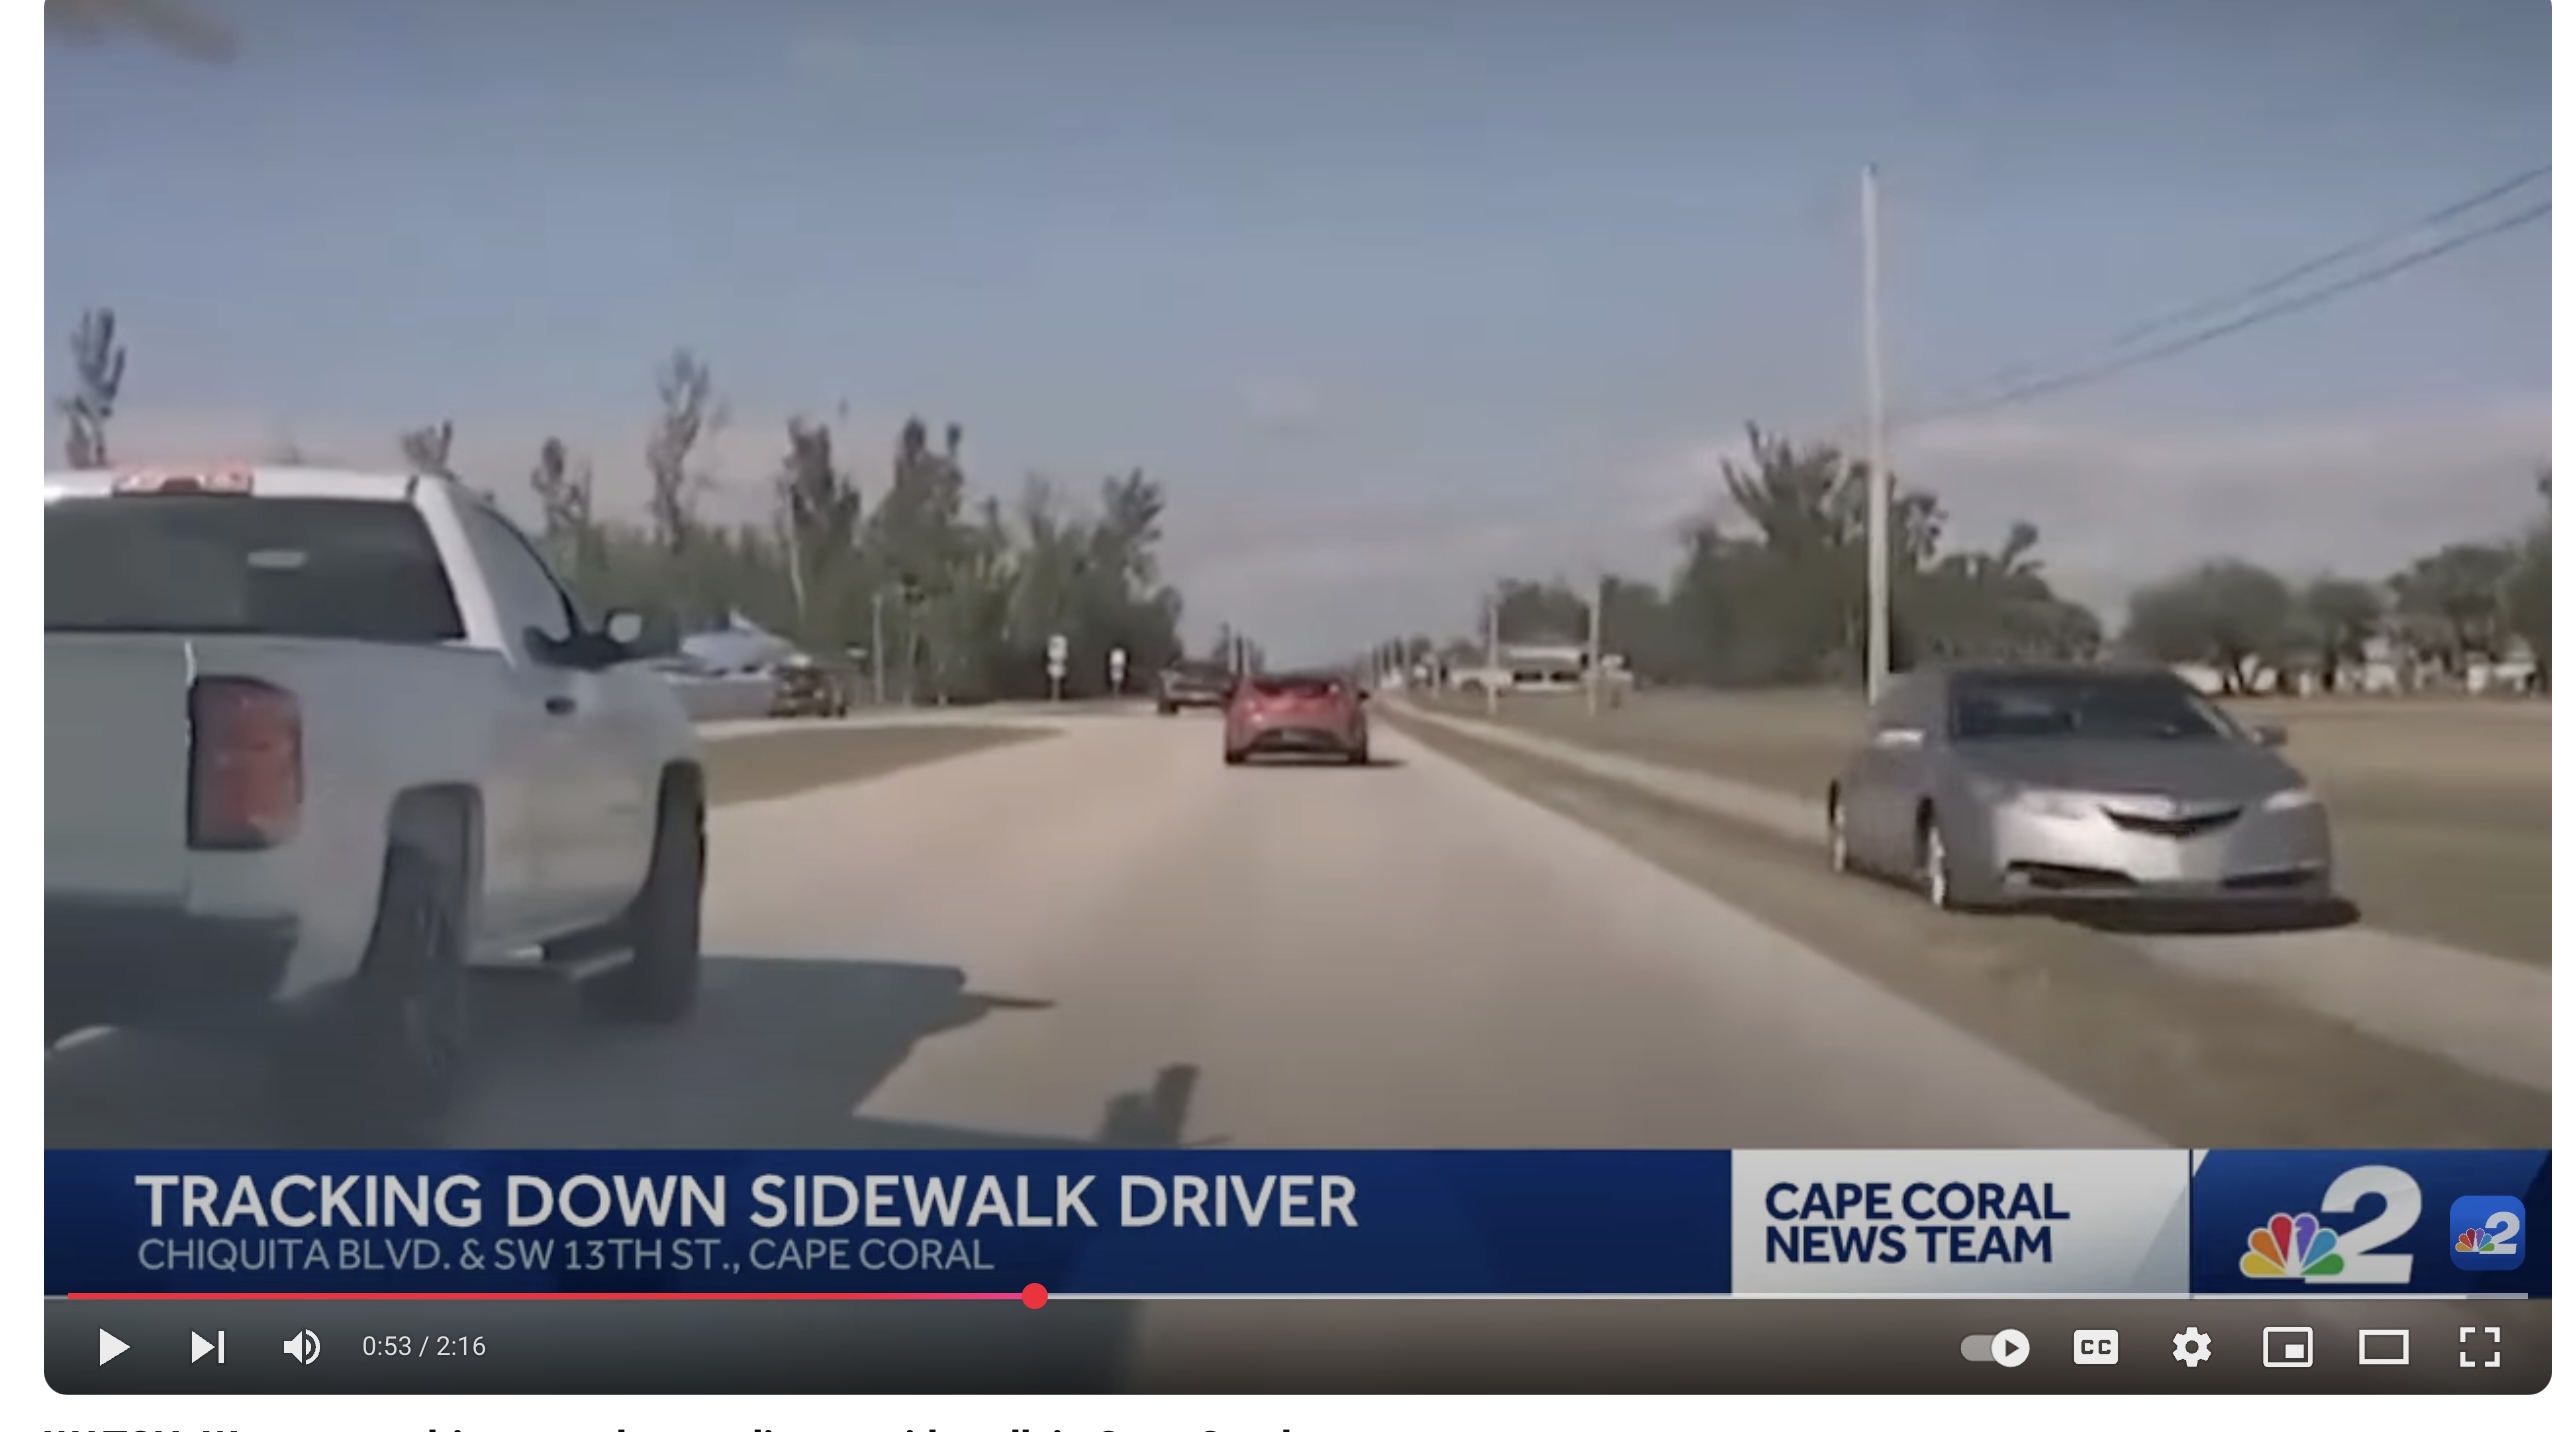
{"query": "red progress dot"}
pixel 1034 1295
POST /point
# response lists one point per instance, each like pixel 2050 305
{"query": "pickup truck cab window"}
pixel 530 598
pixel 318 568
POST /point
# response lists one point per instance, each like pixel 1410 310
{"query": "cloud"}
pixel 1317 574
pixel 741 458
pixel 2350 492
pixel 2116 505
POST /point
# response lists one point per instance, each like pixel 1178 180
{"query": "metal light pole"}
pixel 878 647
pixel 1876 523
pixel 1493 673
pixel 1596 645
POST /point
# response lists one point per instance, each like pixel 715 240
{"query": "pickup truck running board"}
pixel 565 971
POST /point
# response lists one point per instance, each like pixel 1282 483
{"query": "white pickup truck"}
pixel 315 742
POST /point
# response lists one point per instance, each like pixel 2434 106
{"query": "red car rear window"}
pixel 1297 686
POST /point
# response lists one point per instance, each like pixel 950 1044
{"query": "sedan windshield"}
pixel 2084 708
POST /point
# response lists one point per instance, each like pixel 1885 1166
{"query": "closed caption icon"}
pixel 2097 1345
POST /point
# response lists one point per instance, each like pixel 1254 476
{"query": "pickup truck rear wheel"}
pixel 388 1048
pixel 663 978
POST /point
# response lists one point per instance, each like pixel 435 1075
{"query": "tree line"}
pixel 2466 606
pixel 1774 594
pixel 948 590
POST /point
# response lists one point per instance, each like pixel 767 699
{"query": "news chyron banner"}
pixel 1130 1223
pixel 1116 1223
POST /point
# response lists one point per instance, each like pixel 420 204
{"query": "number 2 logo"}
pixel 2500 1232
pixel 2398 1214
pixel 2301 1247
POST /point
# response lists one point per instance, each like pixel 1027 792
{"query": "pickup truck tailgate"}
pixel 116 754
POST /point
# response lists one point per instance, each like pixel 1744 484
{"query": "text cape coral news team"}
pixel 2092 1223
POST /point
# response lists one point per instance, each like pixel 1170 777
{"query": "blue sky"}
pixel 1389 296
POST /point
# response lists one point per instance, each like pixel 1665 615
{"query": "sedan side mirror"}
pixel 2270 733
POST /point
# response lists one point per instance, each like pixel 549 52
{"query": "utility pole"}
pixel 878 647
pixel 1596 645
pixel 1876 523
pixel 1496 673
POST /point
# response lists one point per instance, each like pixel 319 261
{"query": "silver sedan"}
pixel 1996 785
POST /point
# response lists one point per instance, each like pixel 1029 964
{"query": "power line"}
pixel 2298 303
pixel 2205 307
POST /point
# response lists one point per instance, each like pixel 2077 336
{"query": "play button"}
pixel 109 1347
pixel 2011 1349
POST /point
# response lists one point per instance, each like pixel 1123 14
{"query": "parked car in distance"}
pixel 1187 684
pixel 803 688
pixel 1301 714
pixel 1990 785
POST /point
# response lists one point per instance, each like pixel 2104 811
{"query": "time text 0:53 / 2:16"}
pixel 423 1345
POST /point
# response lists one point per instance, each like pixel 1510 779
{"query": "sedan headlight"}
pixel 2293 798
pixel 2034 800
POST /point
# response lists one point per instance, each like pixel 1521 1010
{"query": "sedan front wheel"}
pixel 1939 870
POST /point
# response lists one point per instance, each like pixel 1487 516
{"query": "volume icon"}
pixel 302 1347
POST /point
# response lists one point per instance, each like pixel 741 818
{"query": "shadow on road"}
pixel 2268 917
pixel 781 1053
pixel 1332 763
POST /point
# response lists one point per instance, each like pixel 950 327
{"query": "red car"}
pixel 1310 715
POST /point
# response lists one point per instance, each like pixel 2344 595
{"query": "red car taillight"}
pixel 245 788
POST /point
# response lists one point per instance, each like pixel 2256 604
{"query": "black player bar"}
pixel 1312 1346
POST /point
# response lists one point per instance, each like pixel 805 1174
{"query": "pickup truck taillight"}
pixel 245 783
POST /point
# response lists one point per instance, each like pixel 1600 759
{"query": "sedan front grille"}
pixel 2178 827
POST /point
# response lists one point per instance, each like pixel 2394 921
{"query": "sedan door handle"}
pixel 560 705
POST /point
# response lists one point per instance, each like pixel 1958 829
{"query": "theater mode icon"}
pixel 2385 1347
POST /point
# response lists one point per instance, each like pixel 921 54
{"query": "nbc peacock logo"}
pixel 2475 1240
pixel 2293 1247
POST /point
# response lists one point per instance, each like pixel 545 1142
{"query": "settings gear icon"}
pixel 2190 1347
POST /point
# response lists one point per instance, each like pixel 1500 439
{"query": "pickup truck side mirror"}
pixel 639 636
pixel 625 636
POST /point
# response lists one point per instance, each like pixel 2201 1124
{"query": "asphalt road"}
pixel 1106 934
pixel 1100 934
